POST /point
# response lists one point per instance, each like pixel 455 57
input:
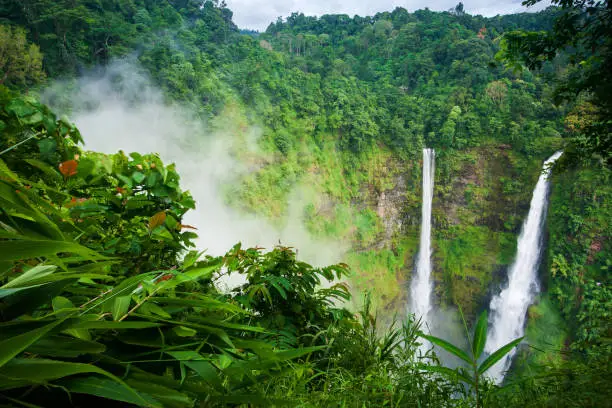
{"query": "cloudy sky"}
pixel 257 14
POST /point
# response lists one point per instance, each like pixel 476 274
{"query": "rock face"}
pixel 384 264
pixel 481 199
pixel 390 208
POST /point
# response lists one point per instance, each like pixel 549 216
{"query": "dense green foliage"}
pixel 104 295
pixel 583 33
pixel 81 321
pixel 21 62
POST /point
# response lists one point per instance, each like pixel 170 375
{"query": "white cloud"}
pixel 258 14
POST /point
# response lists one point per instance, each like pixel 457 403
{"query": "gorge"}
pixel 350 176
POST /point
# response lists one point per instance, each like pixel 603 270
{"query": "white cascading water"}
pixel 421 288
pixel 509 307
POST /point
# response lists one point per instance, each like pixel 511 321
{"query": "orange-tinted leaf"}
pixel 187 226
pixel 164 278
pixel 68 168
pixel 157 220
pixel 72 203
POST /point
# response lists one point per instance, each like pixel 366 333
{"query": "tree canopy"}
pixel 21 62
pixel 583 34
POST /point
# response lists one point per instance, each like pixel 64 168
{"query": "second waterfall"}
pixel 421 287
pixel 509 307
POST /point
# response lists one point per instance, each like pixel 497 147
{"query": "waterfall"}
pixel 509 307
pixel 421 288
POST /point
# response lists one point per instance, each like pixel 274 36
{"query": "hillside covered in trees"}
pixel 108 293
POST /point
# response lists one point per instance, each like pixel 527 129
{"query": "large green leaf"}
pixel 45 168
pixel 30 248
pixel 107 325
pixel 454 350
pixel 121 306
pixel 105 388
pixel 498 355
pixel 183 331
pixel 69 275
pixel 202 367
pixel 62 306
pixel 64 346
pixel 269 361
pixel 15 201
pixel 201 301
pixel 199 273
pixel 480 335
pixel 138 177
pixel 150 308
pixel 40 371
pixel 23 301
pixel 10 292
pixel 6 173
pixel 226 325
pixel 169 397
pixel 13 346
pixel 221 334
pixel 38 271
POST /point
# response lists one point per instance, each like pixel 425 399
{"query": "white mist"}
pixel 120 108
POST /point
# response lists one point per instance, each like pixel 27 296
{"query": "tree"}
pixel 459 9
pixel 497 91
pixel 20 62
pixel 583 31
pixel 447 133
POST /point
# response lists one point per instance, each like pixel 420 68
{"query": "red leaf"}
pixel 68 168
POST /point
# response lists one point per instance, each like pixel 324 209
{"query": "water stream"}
pixel 509 307
pixel 421 287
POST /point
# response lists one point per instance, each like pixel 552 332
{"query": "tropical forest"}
pixel 405 209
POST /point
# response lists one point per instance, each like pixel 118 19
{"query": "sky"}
pixel 258 14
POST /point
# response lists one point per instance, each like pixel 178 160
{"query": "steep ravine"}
pixel 480 199
pixel 479 202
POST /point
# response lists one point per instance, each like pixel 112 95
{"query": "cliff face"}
pixel 481 198
pixel 391 210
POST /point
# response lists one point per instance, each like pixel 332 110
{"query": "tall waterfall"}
pixel 421 288
pixel 509 307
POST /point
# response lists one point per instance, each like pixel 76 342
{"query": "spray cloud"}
pixel 120 109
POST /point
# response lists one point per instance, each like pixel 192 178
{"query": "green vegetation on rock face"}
pixel 579 253
pixel 344 106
